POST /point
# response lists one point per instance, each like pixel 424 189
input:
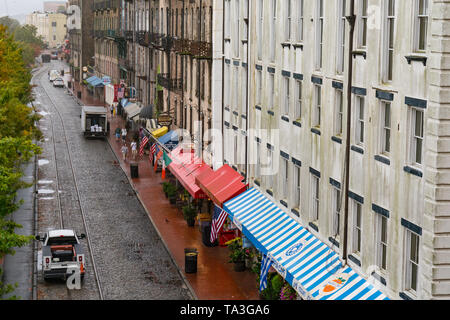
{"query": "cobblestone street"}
pixel 131 260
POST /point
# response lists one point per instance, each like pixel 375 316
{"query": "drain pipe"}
pixel 351 20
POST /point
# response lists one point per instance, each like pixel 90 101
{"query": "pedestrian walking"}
pixel 111 108
pixel 124 152
pixel 118 131
pixel 134 149
pixel 124 135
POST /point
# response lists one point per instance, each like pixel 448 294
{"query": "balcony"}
pixel 106 5
pixel 143 38
pixel 174 85
pixel 124 62
pixel 129 35
pixel 197 49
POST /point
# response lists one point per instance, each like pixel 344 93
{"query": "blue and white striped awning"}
pixel 308 264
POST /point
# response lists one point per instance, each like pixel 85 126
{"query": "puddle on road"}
pixel 45 181
pixel 45 191
pixel 41 162
pixel 46 198
pixel 43 113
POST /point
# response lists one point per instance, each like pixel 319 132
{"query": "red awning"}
pixel 185 167
pixel 221 185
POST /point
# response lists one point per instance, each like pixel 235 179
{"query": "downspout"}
pixel 199 63
pixel 222 82
pixel 351 20
pixel 247 116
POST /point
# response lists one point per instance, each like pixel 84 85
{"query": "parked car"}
pixel 58 82
pixel 61 253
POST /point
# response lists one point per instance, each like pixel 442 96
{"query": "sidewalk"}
pixel 215 278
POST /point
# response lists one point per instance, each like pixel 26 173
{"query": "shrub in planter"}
pixel 274 284
pixel 189 214
pixel 287 292
pixel 164 187
pixel 238 254
pixel 171 192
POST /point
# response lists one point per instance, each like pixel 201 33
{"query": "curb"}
pixel 186 281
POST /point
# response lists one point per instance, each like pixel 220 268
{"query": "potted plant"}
pixel 171 193
pixel 237 254
pixel 287 292
pixel 164 186
pixel 189 215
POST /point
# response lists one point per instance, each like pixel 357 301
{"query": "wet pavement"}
pixel 81 174
pixel 215 278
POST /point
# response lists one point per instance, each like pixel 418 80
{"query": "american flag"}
pixel 266 263
pixel 152 151
pixel 218 219
pixel 143 143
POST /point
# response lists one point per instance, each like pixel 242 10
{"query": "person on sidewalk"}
pixel 111 108
pixel 134 149
pixel 124 135
pixel 118 131
pixel 124 152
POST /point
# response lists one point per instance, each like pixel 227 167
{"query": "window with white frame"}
pixel 362 23
pixel 288 20
pixel 236 27
pixel 336 207
pixel 235 93
pixel 227 19
pixel 319 34
pixel 381 224
pixel 421 25
pixel 356 227
pixel 296 187
pixel 385 127
pixel 269 179
pixel 317 105
pixel 315 200
pixel 298 100
pixel 340 37
pixel 416 140
pixel 244 81
pixel 339 112
pixel 227 86
pixel 273 24
pixel 258 161
pixel 259 36
pixel 235 149
pixel 411 261
pixel 284 177
pixel 258 87
pixel 271 90
pixel 360 122
pixel 286 95
pixel 388 39
pixel 299 37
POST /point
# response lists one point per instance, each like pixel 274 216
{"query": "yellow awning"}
pixel 160 132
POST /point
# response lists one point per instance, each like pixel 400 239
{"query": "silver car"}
pixel 58 83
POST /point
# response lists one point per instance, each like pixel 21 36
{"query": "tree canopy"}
pixel 17 133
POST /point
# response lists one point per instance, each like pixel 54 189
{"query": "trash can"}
pixel 134 170
pixel 206 235
pixel 190 260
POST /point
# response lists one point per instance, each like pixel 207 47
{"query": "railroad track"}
pixel 37 79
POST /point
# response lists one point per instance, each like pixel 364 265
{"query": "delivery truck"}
pixel 94 122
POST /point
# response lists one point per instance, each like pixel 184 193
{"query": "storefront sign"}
pixel 164 120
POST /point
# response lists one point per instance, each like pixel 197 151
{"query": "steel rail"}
pixel 82 211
